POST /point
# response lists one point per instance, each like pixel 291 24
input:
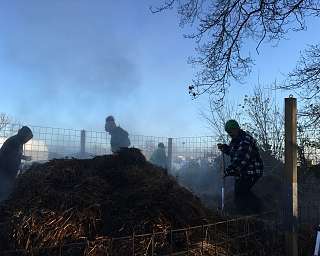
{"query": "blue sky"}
pixel 70 63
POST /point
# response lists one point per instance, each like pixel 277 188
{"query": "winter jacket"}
pixel 159 158
pixel 119 139
pixel 245 157
pixel 10 156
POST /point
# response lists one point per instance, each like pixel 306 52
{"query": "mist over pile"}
pixel 70 52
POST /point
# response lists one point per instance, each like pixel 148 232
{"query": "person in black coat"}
pixel 11 154
pixel 119 137
pixel 159 157
pixel 245 165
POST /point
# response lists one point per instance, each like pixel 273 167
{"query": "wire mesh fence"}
pixel 250 235
pixel 193 149
pixel 195 161
pixel 49 143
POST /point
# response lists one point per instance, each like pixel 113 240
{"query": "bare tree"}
pixel 307 73
pixel 223 27
pixel 308 142
pixel 264 121
pixel 259 114
pixel 217 117
pixel 4 120
pixel 304 80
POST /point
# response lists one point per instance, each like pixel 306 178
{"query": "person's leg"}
pixel 3 189
pixel 246 201
pixel 253 203
pixel 240 192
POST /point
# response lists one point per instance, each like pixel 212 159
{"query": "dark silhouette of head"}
pixel 110 124
pixel 160 145
pixel 25 134
pixel 232 128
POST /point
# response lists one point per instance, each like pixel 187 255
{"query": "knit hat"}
pixel 110 119
pixel 231 124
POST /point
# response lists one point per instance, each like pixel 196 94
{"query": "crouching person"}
pixel 11 154
pixel 119 137
pixel 246 166
pixel 159 157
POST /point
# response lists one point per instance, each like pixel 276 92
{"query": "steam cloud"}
pixel 69 50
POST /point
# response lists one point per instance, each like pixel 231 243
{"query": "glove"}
pixel 227 172
pixel 222 147
pixel 27 158
pixel 230 172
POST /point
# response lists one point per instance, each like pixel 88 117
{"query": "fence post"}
pixel 202 238
pixel 187 238
pixel 152 243
pixel 171 241
pixel 290 179
pixel 83 143
pixel 317 246
pixel 133 245
pixel 169 164
pixel 111 247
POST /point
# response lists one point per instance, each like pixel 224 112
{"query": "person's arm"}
pixel 240 159
pixel 224 148
pixel 127 140
pixel 152 157
pixel 26 158
pixel 22 156
pixel 122 138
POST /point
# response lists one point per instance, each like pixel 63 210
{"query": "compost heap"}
pixel 66 200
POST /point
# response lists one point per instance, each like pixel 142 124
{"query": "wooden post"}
pixel 83 143
pixel 169 164
pixel 317 246
pixel 290 178
pixel 152 243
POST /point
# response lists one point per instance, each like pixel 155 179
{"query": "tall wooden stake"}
pixel 290 179
pixel 169 164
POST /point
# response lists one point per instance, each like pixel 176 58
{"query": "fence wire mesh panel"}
pixel 309 203
pixel 194 148
pixel 98 143
pixel 309 146
pixel 147 144
pixel 95 143
pixel 49 143
pixel 197 165
pixel 241 236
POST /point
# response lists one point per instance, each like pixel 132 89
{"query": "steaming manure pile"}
pixel 65 201
pixel 101 206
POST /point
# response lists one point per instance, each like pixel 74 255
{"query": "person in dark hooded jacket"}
pixel 159 157
pixel 119 137
pixel 11 154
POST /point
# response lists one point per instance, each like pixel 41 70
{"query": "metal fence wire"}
pixel 195 161
pixel 49 143
pixel 251 235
